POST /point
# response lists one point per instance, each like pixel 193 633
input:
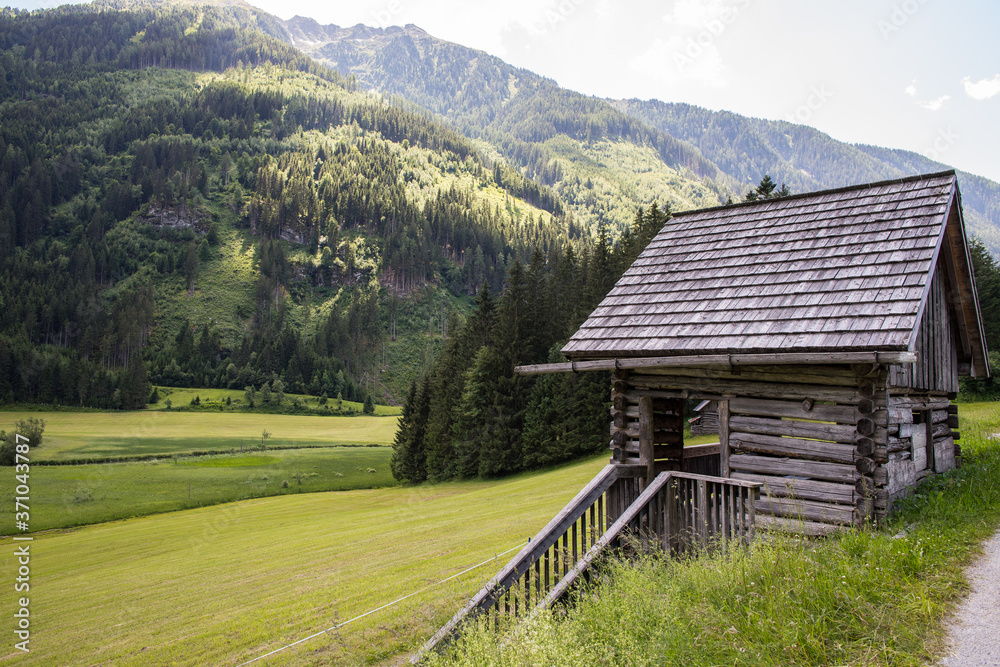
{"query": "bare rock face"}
pixel 176 218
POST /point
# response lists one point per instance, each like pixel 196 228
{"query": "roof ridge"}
pixel 819 193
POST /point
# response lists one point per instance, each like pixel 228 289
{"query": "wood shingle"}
pixel 838 270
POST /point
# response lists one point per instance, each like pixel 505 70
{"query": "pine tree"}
pixel 401 442
pixel 504 391
pixel 767 189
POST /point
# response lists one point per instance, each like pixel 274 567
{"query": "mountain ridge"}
pixel 730 150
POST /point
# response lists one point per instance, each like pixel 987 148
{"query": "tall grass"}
pixel 872 596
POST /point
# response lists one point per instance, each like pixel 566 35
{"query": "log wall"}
pixel 831 444
pixel 707 422
pixel 921 443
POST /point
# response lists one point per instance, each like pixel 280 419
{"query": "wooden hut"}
pixel 706 419
pixel 831 329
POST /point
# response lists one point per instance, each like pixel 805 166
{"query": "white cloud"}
pixel 678 59
pixel 686 49
pixel 911 89
pixel 983 89
pixel 936 103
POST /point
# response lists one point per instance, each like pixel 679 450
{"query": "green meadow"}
pixel 231 582
pixel 216 400
pixel 63 496
pixel 224 584
pixel 102 435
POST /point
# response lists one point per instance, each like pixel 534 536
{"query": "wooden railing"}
pixel 702 460
pixel 677 512
pixel 548 556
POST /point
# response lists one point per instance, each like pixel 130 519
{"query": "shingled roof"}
pixel 838 270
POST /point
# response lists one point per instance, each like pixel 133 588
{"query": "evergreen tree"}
pixel 505 392
pixel 767 189
pixel 409 459
pixel 401 442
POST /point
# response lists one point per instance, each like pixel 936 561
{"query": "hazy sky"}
pixel 923 75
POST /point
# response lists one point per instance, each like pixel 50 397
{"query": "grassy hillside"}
pixel 224 584
pixel 557 137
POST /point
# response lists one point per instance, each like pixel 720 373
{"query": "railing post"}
pixel 701 513
pixel 670 542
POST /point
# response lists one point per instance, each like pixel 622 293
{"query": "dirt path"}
pixel 974 631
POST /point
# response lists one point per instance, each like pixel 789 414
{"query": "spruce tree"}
pixel 401 443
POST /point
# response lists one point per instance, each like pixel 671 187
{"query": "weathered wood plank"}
pixel 920 402
pixel 944 455
pixel 843 433
pixel 809 510
pixel 768 465
pixel 902 476
pixel 747 388
pixel 804 489
pixel 813 450
pixel 840 375
pixel 724 429
pixel 697 451
pixel 840 414
pixel 796 526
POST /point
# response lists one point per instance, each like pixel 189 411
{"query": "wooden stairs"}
pixel 678 513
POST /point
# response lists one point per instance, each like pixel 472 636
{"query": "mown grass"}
pixel 224 584
pixel 65 496
pixel 867 597
pixel 100 435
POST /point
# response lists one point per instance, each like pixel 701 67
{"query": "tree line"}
pixel 471 415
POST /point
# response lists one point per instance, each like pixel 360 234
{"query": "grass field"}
pixel 83 435
pixel 224 584
pixel 76 495
pixel 213 399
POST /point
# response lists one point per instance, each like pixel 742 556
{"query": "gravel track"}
pixel 974 630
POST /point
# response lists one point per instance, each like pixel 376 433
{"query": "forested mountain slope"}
pixel 602 163
pixel 807 159
pixel 607 157
pixel 185 200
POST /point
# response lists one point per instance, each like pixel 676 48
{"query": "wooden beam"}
pixel 646 453
pixel 724 438
pixel 724 360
